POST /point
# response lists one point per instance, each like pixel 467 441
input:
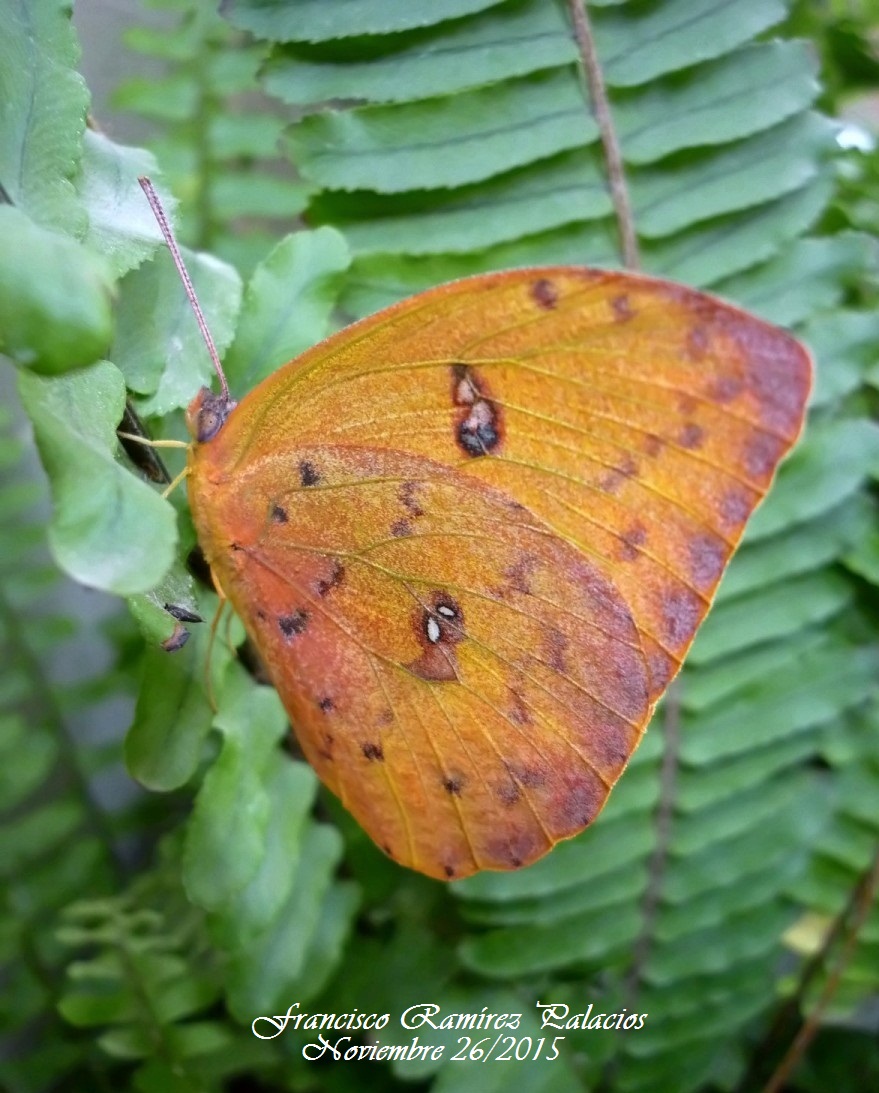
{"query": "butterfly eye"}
pixel 207 414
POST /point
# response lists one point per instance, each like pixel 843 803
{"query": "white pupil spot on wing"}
pixel 433 630
pixel 447 611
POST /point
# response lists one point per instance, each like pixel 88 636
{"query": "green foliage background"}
pixel 141 933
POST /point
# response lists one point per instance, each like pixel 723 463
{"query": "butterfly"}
pixel 473 536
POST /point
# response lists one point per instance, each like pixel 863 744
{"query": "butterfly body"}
pixel 474 535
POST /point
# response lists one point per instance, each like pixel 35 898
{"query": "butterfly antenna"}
pixel 162 219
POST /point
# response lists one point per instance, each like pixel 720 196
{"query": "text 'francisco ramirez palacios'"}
pixel 500 1039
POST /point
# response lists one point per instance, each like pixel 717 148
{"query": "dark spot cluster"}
pixel 691 436
pixel 622 308
pixel 632 539
pixel 326 704
pixel 555 646
pixel 518 711
pixel 518 575
pixel 337 574
pixel 614 478
pixel 453 784
pixel 408 494
pixel 279 514
pixel 373 752
pixel 293 624
pixel 708 555
pixel 545 294
pixel 308 474
pixel 479 426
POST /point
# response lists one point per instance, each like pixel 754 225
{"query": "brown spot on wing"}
pixel 293 624
pixel 682 612
pixel 408 494
pixel 735 508
pixel 335 578
pixel 308 473
pixel 762 454
pixel 622 308
pixel 453 784
pixel 691 436
pixel 708 556
pixel 544 293
pixel 479 426
pixel 373 752
pixel 400 529
pixel 653 445
pixel 631 540
pixel 555 645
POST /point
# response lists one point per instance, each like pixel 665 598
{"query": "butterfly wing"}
pixel 641 420
pixel 465 681
pixel 630 425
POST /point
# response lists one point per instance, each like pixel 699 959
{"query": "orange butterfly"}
pixel 473 537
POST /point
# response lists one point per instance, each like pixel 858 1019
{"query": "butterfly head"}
pixel 207 414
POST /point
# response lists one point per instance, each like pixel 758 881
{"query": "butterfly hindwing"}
pixel 468 683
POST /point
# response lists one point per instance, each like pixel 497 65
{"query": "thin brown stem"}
pixel 619 191
pixel 863 899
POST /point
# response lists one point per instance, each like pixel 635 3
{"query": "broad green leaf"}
pixel 238 193
pixel 291 789
pixel 710 684
pixel 621 886
pixel 287 305
pixel 744 856
pixel 158 345
pixel 843 344
pixel 567 188
pixel 637 43
pixel 705 254
pixel 262 978
pixel 738 939
pixel 109 529
pixel 44 102
pixel 55 307
pixel 746 174
pixel 598 937
pixel 804 694
pixel 328 942
pixel 729 818
pixel 317 20
pixel 171 720
pixel 712 908
pixel 497 44
pixel 770 613
pixel 226 838
pixel 803 279
pixel 150 608
pixel 740 93
pixel 829 464
pixel 795 550
pixel 121 224
pixel 446 141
